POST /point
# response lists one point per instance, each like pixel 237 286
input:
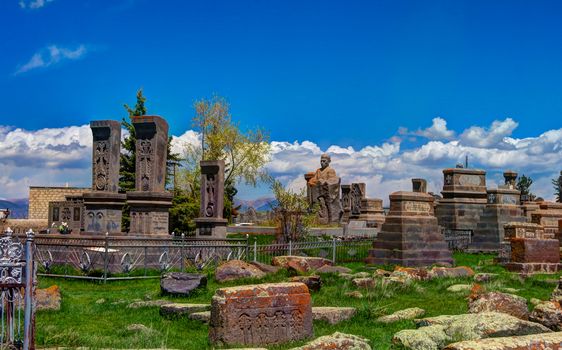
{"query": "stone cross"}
pixel 151 153
pixel 212 188
pixel 105 155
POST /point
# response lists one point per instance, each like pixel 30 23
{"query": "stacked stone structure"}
pixel 464 199
pixel 410 235
pixel 40 197
pixel 103 205
pixel 531 249
pixel 210 222
pixel 262 314
pixel 503 206
pixel 150 201
pixel 548 215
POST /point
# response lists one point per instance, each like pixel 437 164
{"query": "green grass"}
pixel 83 322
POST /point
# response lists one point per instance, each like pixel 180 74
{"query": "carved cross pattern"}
pixel 448 179
pixel 210 186
pixel 145 159
pixel 101 165
pixel 356 196
pixel 65 215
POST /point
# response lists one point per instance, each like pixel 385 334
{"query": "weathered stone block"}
pixel 260 314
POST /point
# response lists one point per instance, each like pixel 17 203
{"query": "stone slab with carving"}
pixel 260 314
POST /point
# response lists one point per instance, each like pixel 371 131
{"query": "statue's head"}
pixel 325 160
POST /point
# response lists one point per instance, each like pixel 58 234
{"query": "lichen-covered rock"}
pixel 140 328
pixel 557 293
pixel 314 283
pixel 265 267
pixel 364 282
pixel 201 316
pixel 381 273
pixel 333 269
pixel 147 303
pixel 456 288
pixel 237 269
pixel 332 315
pixel 181 284
pixel 176 310
pixel 484 277
pixel 339 341
pixel 361 275
pixel 406 314
pixel 425 338
pixel 551 341
pixel 549 314
pixel 535 301
pixel 451 272
pixel 48 298
pixel 300 263
pixel 411 273
pixel 499 302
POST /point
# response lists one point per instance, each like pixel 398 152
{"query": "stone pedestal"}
pixel 261 314
pixel 103 206
pixel 503 207
pixel 210 223
pixel 410 235
pixel 529 208
pixel 103 212
pixel 372 212
pixel 149 212
pixel 548 215
pixel 464 199
pixel 419 185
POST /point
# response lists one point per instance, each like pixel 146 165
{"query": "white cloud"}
pixel 51 55
pixel 58 155
pixel 437 131
pixel 34 4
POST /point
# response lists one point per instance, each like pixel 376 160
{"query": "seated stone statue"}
pixel 324 189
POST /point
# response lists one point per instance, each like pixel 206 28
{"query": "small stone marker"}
pixel 406 314
pixel 261 314
pixel 332 315
pixel 180 309
pixel 181 284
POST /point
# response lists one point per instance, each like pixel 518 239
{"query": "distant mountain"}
pixel 260 204
pixel 18 207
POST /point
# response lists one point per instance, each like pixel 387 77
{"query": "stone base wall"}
pixel 23 225
pixel 39 198
pixel 489 232
pixel 459 214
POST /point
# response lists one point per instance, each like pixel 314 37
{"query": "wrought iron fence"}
pixel 457 239
pixel 16 292
pixel 351 250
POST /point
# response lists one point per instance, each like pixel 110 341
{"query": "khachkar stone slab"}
pixel 372 212
pixel 548 215
pixel 150 202
pixel 357 194
pixel 69 211
pixel 103 206
pixel 261 314
pixel 410 235
pixel 210 222
pixel 346 202
pixel 464 199
pixel 531 249
pixel 419 185
pixel 503 207
pixel 324 190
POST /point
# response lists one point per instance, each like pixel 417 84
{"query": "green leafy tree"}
pixel 292 213
pixel 524 186
pixel 557 183
pixel 244 152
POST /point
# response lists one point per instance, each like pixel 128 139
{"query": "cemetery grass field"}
pixel 84 320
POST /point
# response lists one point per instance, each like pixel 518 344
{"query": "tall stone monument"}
pixel 150 201
pixel 357 194
pixel 103 206
pixel 410 235
pixel 503 207
pixel 548 216
pixel 464 199
pixel 210 223
pixel 346 202
pixel 560 188
pixel 324 189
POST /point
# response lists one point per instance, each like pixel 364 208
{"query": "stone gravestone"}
pixel 324 189
pixel 357 195
pixel 419 185
pixel 103 206
pixel 346 202
pixel 410 235
pixel 548 215
pixel 261 314
pixel 69 211
pixel 210 223
pixel 464 199
pixel 150 201
pixel 503 207
pixel 531 250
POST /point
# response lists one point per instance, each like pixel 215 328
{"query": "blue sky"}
pixel 345 73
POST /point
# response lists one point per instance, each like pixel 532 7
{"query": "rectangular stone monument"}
pixel 150 202
pixel 210 223
pixel 372 212
pixel 69 211
pixel 103 206
pixel 261 314
pixel 346 202
pixel 357 194
pixel 503 207
pixel 410 235
pixel 464 199
pixel 548 216
pixel 419 185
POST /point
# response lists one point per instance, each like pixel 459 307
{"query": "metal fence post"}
pixel 106 258
pixel 290 248
pixel 181 251
pixel 28 316
pixel 255 250
pixel 247 247
pixel 334 250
